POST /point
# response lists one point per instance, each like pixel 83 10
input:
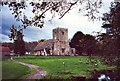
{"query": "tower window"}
pixel 63 50
pixel 62 33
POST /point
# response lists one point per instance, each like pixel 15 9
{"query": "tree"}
pixel 84 44
pixel 56 7
pixel 89 44
pixel 41 7
pixel 17 37
pixel 76 42
pixel 112 25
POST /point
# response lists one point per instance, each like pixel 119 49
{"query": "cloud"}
pixel 73 20
pixel 4 38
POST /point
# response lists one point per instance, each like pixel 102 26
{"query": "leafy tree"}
pixel 112 25
pixel 89 44
pixel 17 37
pixel 84 44
pixel 76 42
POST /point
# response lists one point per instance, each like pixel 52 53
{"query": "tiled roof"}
pixel 46 44
pixel 4 50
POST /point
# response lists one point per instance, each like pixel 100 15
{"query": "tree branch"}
pixel 72 4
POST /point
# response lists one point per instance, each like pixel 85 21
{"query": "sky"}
pixel 73 20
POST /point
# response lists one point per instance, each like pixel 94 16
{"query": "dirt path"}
pixel 38 74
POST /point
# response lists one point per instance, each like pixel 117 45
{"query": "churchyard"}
pixel 57 67
pixel 12 70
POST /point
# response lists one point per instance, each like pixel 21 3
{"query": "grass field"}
pixel 12 70
pixel 73 65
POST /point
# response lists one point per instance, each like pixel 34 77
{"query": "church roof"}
pixel 44 45
pixel 4 50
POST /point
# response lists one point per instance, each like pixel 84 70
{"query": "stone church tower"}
pixel 61 44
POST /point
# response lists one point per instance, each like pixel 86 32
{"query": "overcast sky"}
pixel 73 20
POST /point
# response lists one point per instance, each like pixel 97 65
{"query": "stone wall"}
pixel 61 44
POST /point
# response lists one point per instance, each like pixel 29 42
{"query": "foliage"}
pixel 12 70
pixel 19 47
pixel 72 65
pixel 7 44
pixel 42 40
pixel 111 39
pixel 17 37
pixel 76 41
pixel 40 8
pixel 83 43
pixel 109 42
pixel 55 7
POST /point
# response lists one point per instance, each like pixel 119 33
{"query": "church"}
pixel 58 46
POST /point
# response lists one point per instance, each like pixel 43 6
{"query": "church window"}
pixel 63 50
pixel 62 33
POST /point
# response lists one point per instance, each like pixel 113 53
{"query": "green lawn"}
pixel 0 69
pixel 12 70
pixel 73 65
